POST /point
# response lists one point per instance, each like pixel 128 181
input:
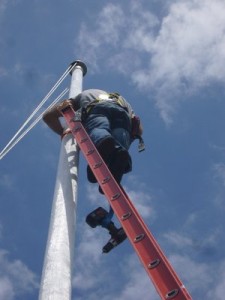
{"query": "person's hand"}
pixel 65 132
pixel 64 103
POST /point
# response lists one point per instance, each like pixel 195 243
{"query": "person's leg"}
pixel 109 127
pixel 109 119
pixel 120 127
pixel 98 128
pixel 122 136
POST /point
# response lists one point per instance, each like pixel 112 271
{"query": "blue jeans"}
pixel 108 119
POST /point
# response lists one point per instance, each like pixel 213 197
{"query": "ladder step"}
pixel 116 196
pixel 139 237
pixel 84 140
pixel 90 151
pixel 97 165
pixel 172 294
pixel 76 129
pixel 126 216
pixel 154 263
pixel 106 179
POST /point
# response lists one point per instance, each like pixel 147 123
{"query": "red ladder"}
pixel 163 276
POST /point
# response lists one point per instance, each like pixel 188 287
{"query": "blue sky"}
pixel 167 58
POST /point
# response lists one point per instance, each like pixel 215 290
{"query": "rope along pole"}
pixel 56 280
pixel 15 141
pixel 44 100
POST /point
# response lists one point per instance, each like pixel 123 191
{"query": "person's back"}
pixel 96 96
pixel 86 97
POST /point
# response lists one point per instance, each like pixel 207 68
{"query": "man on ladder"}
pixel 112 126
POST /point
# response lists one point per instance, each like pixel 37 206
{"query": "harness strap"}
pixel 113 97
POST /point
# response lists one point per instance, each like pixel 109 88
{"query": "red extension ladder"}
pixel 157 266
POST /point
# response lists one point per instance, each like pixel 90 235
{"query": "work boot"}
pixel 105 147
pixel 120 164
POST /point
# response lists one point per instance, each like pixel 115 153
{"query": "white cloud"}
pixel 3 71
pixel 191 220
pixel 6 181
pixel 88 259
pixel 15 277
pixel 218 293
pixel 99 270
pixel 93 194
pixel 137 284
pixel 107 33
pixel 218 175
pixel 197 275
pixel 219 172
pixel 102 270
pixel 206 244
pixel 187 45
pixel 178 240
pixel 97 276
pixel 201 279
pixel 191 271
pixel 95 272
pixel 168 58
pixel 6 289
pixel 188 51
pixel 3 4
pixel 140 197
pixel 142 203
pixel 116 33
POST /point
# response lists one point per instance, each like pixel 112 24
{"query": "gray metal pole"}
pixel 56 283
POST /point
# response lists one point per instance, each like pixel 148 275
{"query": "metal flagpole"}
pixel 56 282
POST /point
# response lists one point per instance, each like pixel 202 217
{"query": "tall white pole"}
pixel 56 282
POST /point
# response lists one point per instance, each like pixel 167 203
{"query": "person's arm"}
pixel 140 129
pixel 51 118
pixel 137 128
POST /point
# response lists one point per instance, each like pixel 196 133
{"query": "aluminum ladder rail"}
pixel 157 266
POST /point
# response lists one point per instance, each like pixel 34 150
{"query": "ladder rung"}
pixel 154 263
pixel 139 237
pixel 90 151
pixel 77 128
pixel 84 140
pixel 105 180
pixel 126 216
pixel 116 196
pixel 172 294
pixel 97 165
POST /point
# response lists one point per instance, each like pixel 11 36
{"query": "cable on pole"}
pixel 15 141
pixel 16 138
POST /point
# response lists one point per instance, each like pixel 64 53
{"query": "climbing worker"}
pixel 112 126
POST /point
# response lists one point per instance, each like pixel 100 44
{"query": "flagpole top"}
pixel 78 63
